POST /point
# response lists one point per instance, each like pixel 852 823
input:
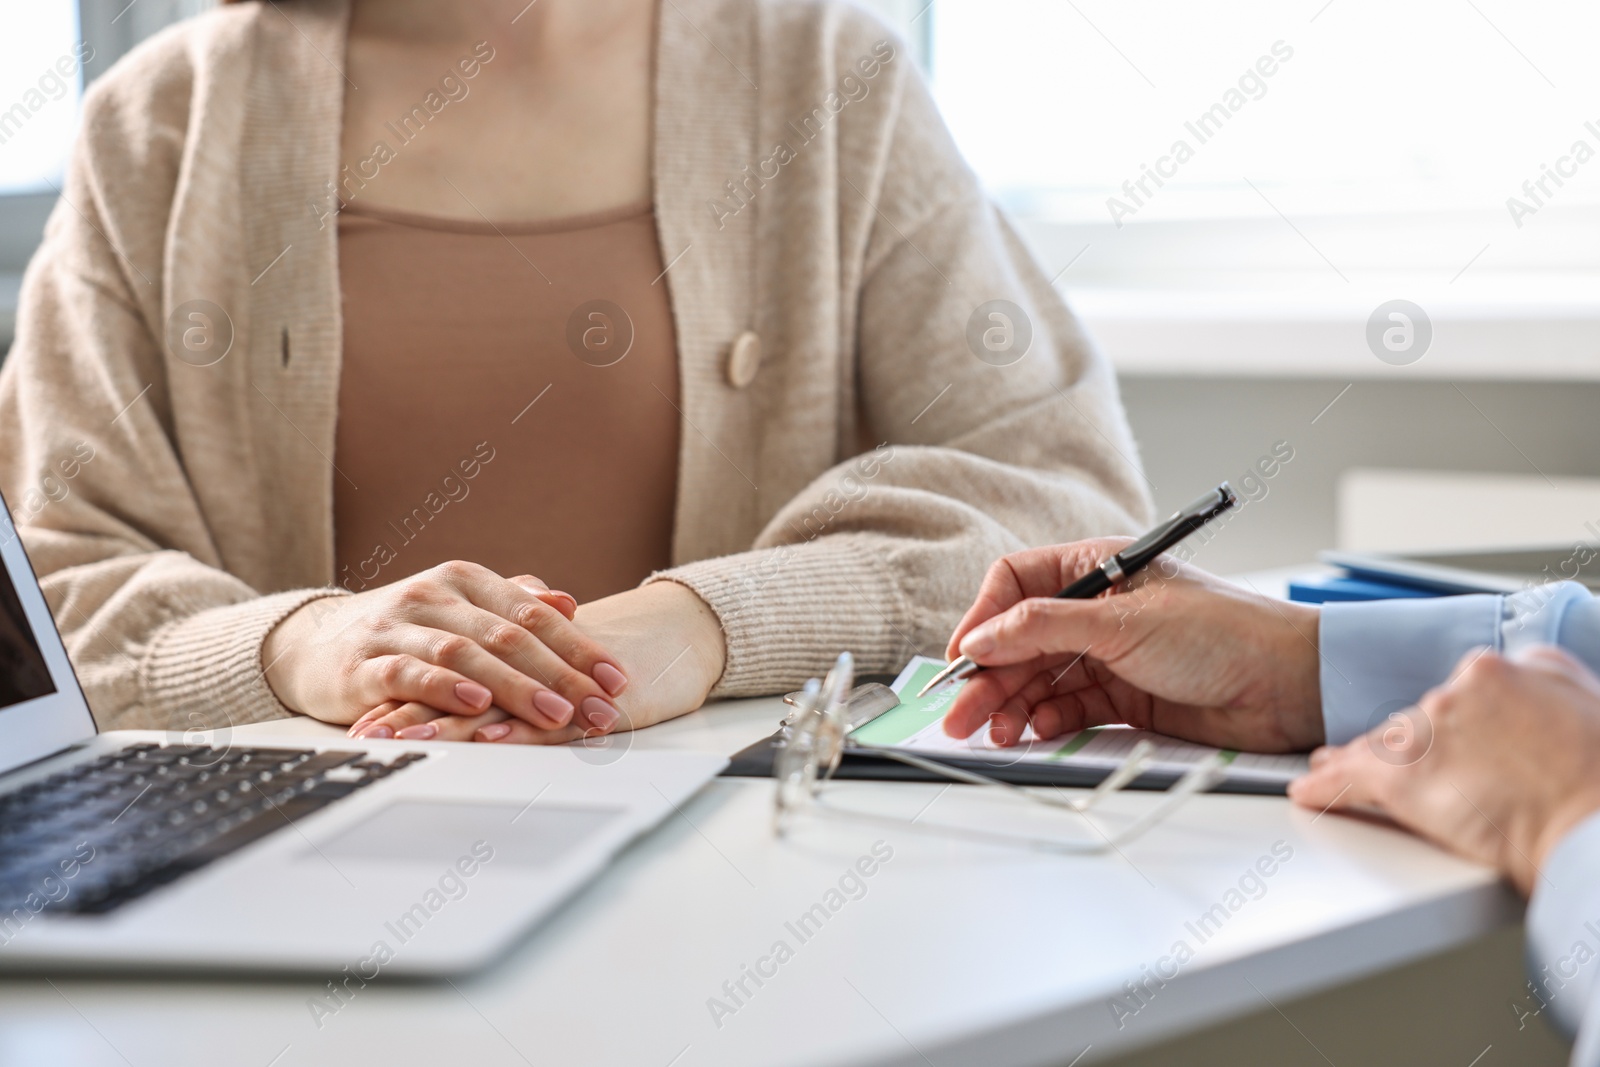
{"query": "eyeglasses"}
pixel 817 735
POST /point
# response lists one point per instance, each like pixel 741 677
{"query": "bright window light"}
pixel 40 61
pixel 1069 108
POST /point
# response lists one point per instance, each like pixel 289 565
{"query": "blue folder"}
pixel 1322 588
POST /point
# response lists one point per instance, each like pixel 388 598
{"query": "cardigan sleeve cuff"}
pixel 787 612
pixel 203 671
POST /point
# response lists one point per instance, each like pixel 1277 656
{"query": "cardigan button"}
pixel 744 359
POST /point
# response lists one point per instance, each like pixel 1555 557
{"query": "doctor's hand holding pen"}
pixel 1172 649
pixel 1495 763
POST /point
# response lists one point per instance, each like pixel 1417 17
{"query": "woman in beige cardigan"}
pixel 855 428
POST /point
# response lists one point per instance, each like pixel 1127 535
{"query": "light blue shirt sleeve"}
pixel 1379 656
pixel 1564 939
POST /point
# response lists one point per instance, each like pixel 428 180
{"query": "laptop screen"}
pixel 42 709
pixel 23 674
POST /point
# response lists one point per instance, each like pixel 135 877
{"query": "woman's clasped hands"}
pixel 460 653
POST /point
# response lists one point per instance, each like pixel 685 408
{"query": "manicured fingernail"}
pixel 374 732
pixel 422 731
pixel 554 706
pixel 473 695
pixel 611 680
pixel 1321 756
pixel 494 731
pixel 978 642
pixel 601 716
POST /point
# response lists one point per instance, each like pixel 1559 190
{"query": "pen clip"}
pixel 1183 522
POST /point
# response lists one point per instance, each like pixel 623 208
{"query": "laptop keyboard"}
pixel 106 831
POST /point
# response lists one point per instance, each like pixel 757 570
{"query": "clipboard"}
pixel 860 761
pixel 756 761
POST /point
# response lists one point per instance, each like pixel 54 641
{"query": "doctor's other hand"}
pixel 1174 650
pixel 1497 764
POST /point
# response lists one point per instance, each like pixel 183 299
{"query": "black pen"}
pixel 1125 564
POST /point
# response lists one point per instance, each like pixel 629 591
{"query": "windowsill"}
pixel 1477 334
pixel 1260 297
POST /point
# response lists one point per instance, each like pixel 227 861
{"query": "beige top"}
pixel 506 397
pixel 805 191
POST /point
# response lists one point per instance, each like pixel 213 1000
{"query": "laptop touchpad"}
pixel 440 832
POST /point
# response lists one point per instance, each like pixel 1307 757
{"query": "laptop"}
pixel 165 851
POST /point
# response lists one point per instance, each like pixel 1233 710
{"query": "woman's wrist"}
pixel 280 647
pixel 276 650
pixel 679 628
pixel 702 627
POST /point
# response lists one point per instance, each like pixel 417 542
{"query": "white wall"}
pixel 1193 433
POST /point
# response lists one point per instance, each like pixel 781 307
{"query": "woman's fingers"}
pixel 465 728
pixel 402 676
pixel 516 604
pixel 565 603
pixel 524 603
pixel 426 663
pixel 390 718
pixel 566 686
pixel 457 638
pixel 516 732
pixel 414 721
pixel 524 676
pixel 368 727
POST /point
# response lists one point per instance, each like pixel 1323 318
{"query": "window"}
pixel 49 50
pixel 1370 108
pixel 1288 160
pixel 40 64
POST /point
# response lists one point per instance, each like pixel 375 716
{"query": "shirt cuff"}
pixel 1563 926
pixel 1379 656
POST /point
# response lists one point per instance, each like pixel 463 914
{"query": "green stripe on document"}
pixel 1071 747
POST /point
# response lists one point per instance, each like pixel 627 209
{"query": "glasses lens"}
pixel 796 764
pixel 830 740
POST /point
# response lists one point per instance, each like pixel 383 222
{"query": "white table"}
pixel 958 953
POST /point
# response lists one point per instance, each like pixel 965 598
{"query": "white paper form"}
pixel 917 725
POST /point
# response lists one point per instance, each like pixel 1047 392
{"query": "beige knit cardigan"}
pixel 796 196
